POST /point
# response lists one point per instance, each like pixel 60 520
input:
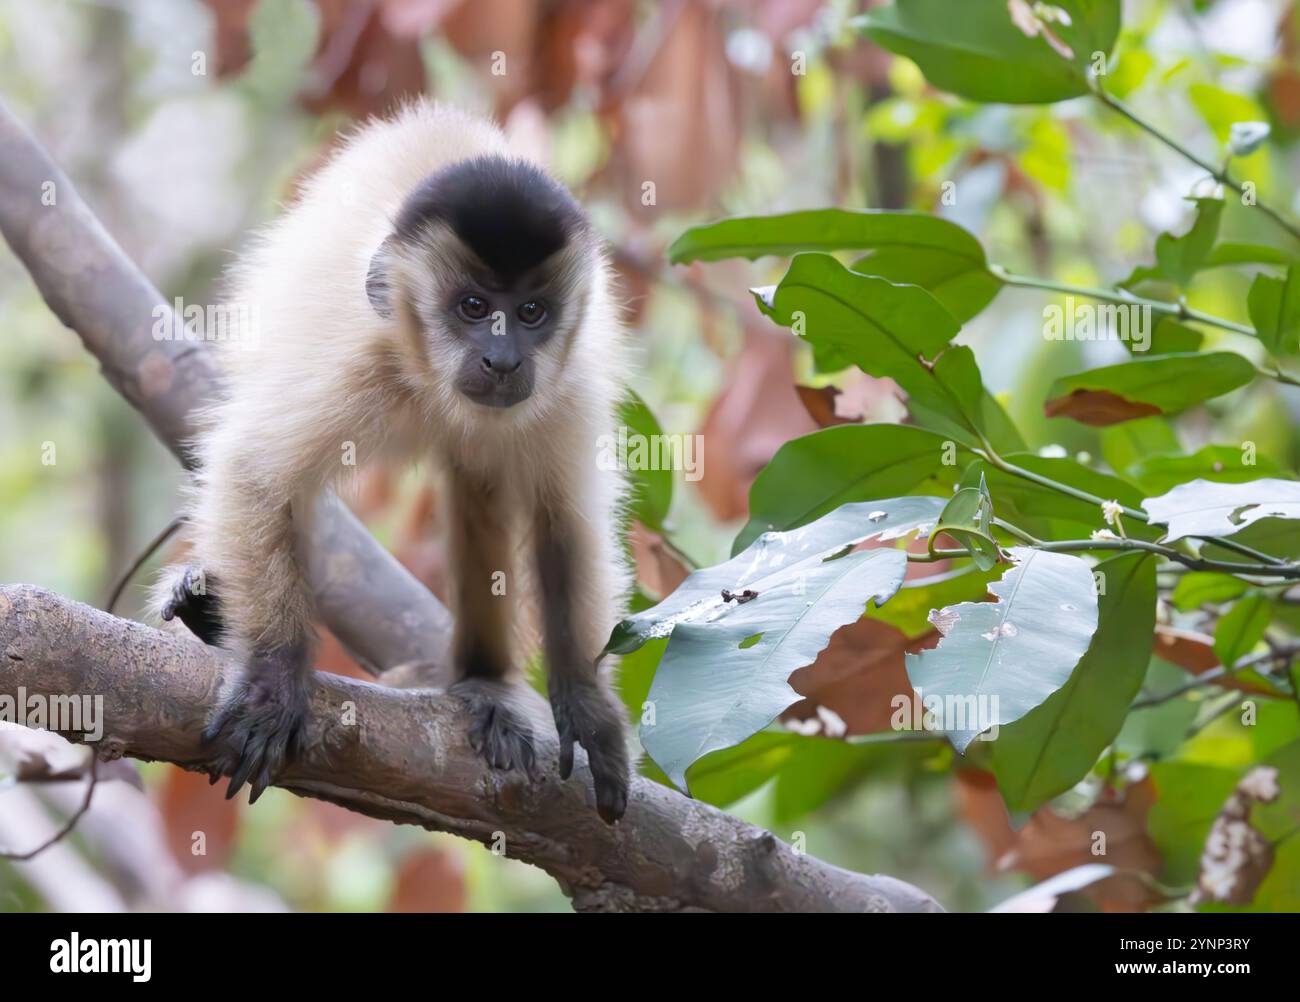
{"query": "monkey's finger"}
pixel 249 759
pixel 566 752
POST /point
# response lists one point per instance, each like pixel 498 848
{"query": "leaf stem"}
pixel 1220 174
pixel 1179 310
pixel 989 455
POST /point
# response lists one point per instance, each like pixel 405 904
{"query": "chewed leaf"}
pixel 772 559
pixel 998 660
pixel 1203 508
pixel 723 680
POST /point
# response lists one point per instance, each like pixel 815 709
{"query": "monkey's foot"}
pixel 194 601
pixel 590 714
pixel 497 731
pixel 259 727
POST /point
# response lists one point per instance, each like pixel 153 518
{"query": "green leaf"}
pixel 1220 463
pixel 1274 305
pixel 1228 253
pixel 889 330
pixel 652 488
pixel 1241 628
pixel 775 559
pixel 1179 258
pixel 909 610
pixel 910 248
pixel 1198 588
pixel 1168 338
pixel 997 661
pixel 740 629
pixel 966 520
pixel 1125 444
pixel 1189 797
pixel 1031 505
pixel 1157 384
pixel 983 55
pixel 1202 508
pixel 1054 746
pixel 815 474
pixel 721 681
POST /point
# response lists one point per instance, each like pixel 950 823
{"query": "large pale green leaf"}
pixel 890 330
pixel 1053 746
pixel 740 629
pixel 774 559
pixel 1203 508
pixel 817 473
pixel 1155 384
pixel 976 50
pixel 723 680
pixel 999 660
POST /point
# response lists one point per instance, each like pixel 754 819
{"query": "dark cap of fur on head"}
pixel 508 212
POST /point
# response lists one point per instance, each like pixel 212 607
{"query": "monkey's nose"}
pixel 501 367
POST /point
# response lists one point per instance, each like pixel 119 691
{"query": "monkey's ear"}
pixel 379 284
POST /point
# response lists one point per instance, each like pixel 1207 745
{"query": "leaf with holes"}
pixel 740 629
pixel 1202 508
pixel 999 660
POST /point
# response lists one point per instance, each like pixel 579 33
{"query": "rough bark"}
pixel 401 754
pixel 392 753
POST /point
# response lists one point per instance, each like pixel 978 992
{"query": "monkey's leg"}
pixel 483 600
pixel 572 573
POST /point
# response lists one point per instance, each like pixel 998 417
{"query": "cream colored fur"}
pixel 325 370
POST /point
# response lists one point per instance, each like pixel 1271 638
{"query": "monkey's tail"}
pixel 120 586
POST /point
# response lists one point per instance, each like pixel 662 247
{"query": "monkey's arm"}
pixel 576 578
pixel 269 450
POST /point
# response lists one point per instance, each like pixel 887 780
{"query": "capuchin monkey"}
pixel 431 294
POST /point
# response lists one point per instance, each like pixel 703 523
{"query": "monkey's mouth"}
pixel 493 393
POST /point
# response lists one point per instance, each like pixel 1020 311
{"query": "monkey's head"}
pixel 491 261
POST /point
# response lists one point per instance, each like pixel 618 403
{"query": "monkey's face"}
pixel 493 259
pixel 500 332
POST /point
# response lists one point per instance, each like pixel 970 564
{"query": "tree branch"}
pixel 402 755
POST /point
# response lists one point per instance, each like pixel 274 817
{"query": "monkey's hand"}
pixel 259 725
pixel 588 712
pixel 498 730
pixel 193 600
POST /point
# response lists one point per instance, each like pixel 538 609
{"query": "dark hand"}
pixel 259 726
pixel 588 712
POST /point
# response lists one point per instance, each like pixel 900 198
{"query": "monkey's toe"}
pixel 589 715
pixel 194 603
pixel 497 732
pixel 256 734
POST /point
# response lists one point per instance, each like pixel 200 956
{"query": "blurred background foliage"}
pixel 184 123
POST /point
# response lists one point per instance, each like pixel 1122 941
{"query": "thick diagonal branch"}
pixel 402 755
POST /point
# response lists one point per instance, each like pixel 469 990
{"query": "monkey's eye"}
pixel 473 308
pixel 531 313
